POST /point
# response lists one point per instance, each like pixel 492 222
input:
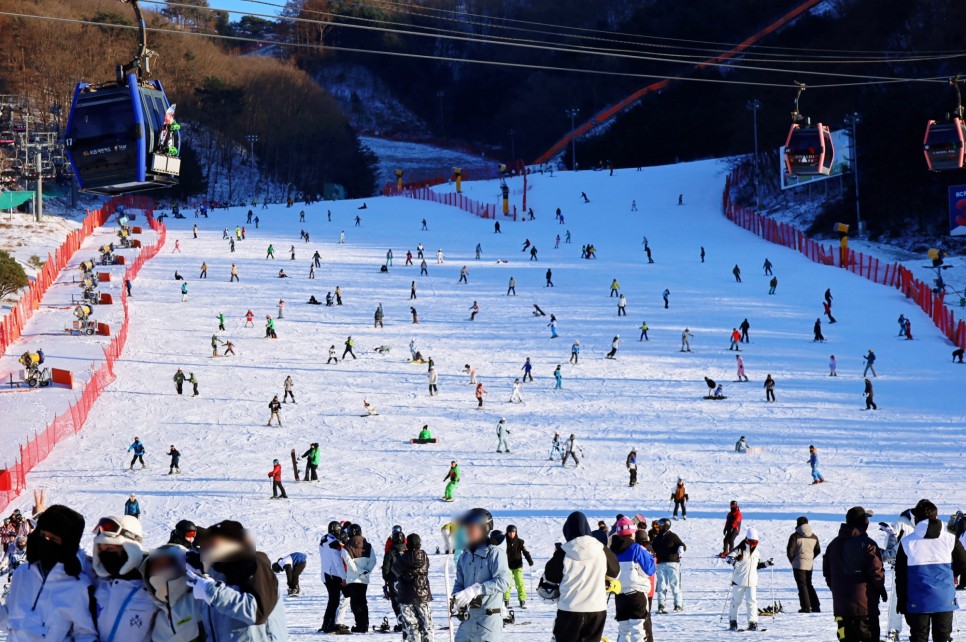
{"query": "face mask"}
pixel 42 550
pixel 215 554
pixel 159 582
pixel 112 561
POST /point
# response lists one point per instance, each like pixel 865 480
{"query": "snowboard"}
pixel 295 464
pixel 714 398
pixel 434 440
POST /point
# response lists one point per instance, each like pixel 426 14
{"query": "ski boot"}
pixel 383 627
pixel 510 617
pixel 523 604
pixel 733 625
pixel 679 609
pixel 893 636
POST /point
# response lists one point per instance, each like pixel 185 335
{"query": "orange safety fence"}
pixel 13 479
pixel 867 266
pixel 474 207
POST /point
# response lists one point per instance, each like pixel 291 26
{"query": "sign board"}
pixel 957 210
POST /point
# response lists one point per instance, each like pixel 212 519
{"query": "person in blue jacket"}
pixel 637 579
pixel 138 449
pixel 575 352
pixel 482 576
pixel 292 565
pixel 813 462
pixel 131 507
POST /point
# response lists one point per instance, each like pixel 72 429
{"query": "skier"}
pixel 744 327
pixel 270 253
pixel 317 259
pixel 744 580
pixel 622 306
pixel 614 345
pixel 433 379
pixel 270 327
pixel 138 448
pixel 817 331
pixel 378 317
pixel 558 377
pixel 204 271
pixel 828 296
pixel 274 407
pixel 575 352
pixel 292 565
pixel 680 498
pixel 474 310
pixel 741 446
pixel 772 285
pixel 631 464
pixel 516 395
pixel 869 363
pixel 908 330
pixel 512 287
pixel 179 380
pixel 644 330
pixel 668 549
pixel 419 250
pixel 479 396
pixel 553 328
pixel 234 274
pixel 333 355
pixel 349 343
pixel 288 385
pixel 482 577
pixel 229 348
pixel 741 368
pixel 249 319
pixel 527 370
pixel 412 290
pixel 516 552
pixel 769 388
pixel 175 467
pixel 571 449
pixel 731 528
pixel 737 272
pixel 735 340
pixel 803 547
pixel 278 491
pixel 666 295
pixel 637 581
pixel 813 463
pixel 452 480
pixel 501 433
pixel 832 366
pixel 177 246
pixel 132 508
pixel 549 274
pixel 184 291
pixel 359 558
pixel 686 337
pixel 828 311
pixel 439 256
pixel 614 289
pixel 556 447
pixel 767 266
pixel 869 396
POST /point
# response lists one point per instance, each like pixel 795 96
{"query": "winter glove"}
pixel 200 586
pixel 464 597
pixel 885 528
pixel 680 551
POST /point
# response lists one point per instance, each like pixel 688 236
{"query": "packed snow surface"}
pixel 649 398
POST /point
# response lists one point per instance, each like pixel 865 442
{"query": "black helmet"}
pixel 479 516
pixel 355 530
pixel 664 524
pixel 398 538
pixel 185 526
pixel 334 528
pixel 511 529
pixel 496 538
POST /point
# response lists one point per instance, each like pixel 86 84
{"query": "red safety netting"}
pixel 869 267
pixel 13 479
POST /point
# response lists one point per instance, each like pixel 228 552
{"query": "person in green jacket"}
pixel 179 380
pixel 311 457
pixel 221 321
pixel 271 252
pixel 270 328
pixel 194 383
pixel 452 479
pixel 424 434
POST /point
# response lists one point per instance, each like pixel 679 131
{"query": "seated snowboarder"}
pixel 425 436
pixel 370 409
pixel 742 445
pixel 314 301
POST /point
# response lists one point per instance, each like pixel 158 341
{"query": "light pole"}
pixel 252 139
pixel 573 112
pixel 754 105
pixel 852 120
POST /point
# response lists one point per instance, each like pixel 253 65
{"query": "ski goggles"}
pixel 110 526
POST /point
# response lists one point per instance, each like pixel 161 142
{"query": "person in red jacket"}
pixel 732 528
pixel 278 491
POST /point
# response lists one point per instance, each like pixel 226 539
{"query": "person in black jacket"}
pixel 668 548
pixel 852 567
pixel 412 569
pixel 397 546
pixel 516 551
pixel 602 534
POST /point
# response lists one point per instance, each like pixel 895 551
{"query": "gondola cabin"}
pixel 116 138
pixel 809 150
pixel 943 144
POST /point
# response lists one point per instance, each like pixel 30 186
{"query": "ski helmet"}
pixel 752 535
pixel 125 532
pixel 479 516
pixel 355 530
pixel 397 528
pixel 398 538
pixel 511 529
pixel 334 528
pixel 496 538
pixel 664 524
pixel 185 526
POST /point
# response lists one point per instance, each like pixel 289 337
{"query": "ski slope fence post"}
pixel 423 192
pixel 892 275
pixel 13 479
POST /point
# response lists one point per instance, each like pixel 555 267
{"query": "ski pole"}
pixel 449 615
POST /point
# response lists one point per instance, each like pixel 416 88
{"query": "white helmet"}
pixel 752 534
pixel 119 531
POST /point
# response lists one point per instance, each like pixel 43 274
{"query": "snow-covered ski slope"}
pixel 650 398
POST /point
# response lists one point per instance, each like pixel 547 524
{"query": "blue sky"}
pixel 241 5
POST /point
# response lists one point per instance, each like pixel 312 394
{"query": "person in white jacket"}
pixel 583 568
pixel 894 534
pixel 744 580
pixel 124 607
pixel 179 616
pixel 333 574
pixel 516 395
pixel 359 558
pixel 49 599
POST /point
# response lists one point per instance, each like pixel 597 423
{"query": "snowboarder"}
pixel 908 330
pixel 869 363
pixel 744 327
pixel 741 368
pixel 333 355
pixel 549 276
pixel 731 528
pixel 614 345
pixel 270 327
pixel 869 396
pixel 221 321
pixel 828 311
pixel 184 291
pixel 138 448
pixel 464 274
pixel 614 289
pixel 813 464
pixel 292 565
pixel 378 316
pixel 479 395
pixel 686 337
pixel 412 311
pixel 769 388
pixel 204 271
pixel 622 306
pixel 553 328
pixel 772 285
pixel 132 508
pixel 571 449
pixel 349 344
pixel 338 295
pixel 737 272
pixel 501 433
pixel 767 266
pixel 433 379
pixel 828 296
pixel 317 259
pixel 702 254
pixel 575 352
pixel 527 370
pixel 512 287
pixel 270 253
pixel 479 251
pixel 735 340
pixel 666 295
pixel 647 250
pixel 516 552
pixel 175 455
pixel 234 274
pixel 644 330
pixel 817 331
pixel 631 464
pixel 452 480
pixel 275 407
pixel 741 446
pixel 439 256
pixel 680 498
pixel 474 310
pixel 412 290
pixel 558 377
pixel 744 580
pixel 516 395
pixel 288 385
pixel 278 491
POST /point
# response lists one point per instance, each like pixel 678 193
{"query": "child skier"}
pixel 744 580
pixel 556 447
pixel 680 498
pixel 813 463
pixel 832 366
pixel 516 396
pixel 278 491
pixel 479 396
pixel 501 432
pixel 175 455
pixel 741 368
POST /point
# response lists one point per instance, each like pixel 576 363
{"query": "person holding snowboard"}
pixel 311 457
pixel 452 480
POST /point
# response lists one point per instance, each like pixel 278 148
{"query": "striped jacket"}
pixel 926 563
